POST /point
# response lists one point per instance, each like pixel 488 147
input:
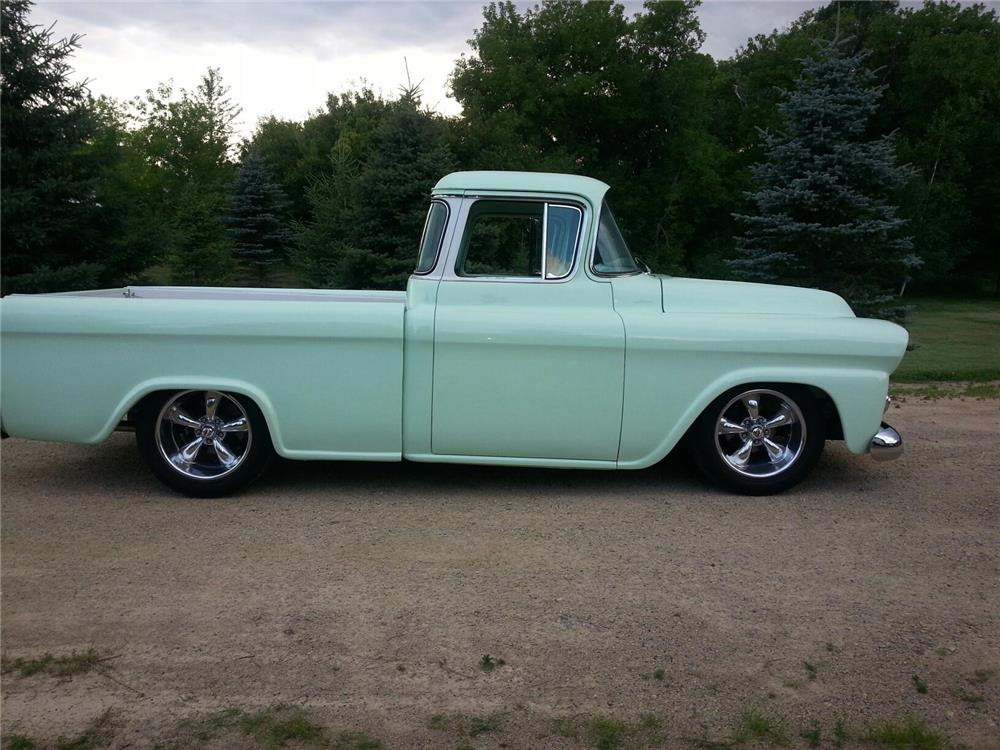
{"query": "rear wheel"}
pixel 759 440
pixel 203 443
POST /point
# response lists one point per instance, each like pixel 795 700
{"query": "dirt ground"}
pixel 369 594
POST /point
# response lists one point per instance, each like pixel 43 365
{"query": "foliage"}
pixel 583 88
pixel 52 218
pixel 182 153
pixel 824 215
pixel 258 223
pixel 941 99
pixel 369 209
pixel 100 192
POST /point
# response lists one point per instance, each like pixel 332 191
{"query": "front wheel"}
pixel 203 443
pixel 759 440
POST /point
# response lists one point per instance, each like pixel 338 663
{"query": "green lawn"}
pixel 952 340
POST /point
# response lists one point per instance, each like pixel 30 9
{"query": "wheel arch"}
pixel 147 389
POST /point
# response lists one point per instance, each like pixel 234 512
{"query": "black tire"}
pixel 707 445
pixel 151 420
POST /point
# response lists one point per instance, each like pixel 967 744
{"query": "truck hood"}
pixel 734 297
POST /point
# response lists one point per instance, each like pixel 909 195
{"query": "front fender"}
pixel 677 364
pixel 859 396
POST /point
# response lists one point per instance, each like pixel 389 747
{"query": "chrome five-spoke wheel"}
pixel 204 443
pixel 203 434
pixel 760 433
pixel 759 438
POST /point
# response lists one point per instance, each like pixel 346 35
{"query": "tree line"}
pixel 856 150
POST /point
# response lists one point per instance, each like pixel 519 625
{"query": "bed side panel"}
pixel 328 375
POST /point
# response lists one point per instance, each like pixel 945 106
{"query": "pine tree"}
pixel 51 221
pixel 258 224
pixel 369 208
pixel 411 155
pixel 825 215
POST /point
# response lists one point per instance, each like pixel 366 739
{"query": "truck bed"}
pixel 325 367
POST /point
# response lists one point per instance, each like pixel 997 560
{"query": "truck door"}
pixel 529 352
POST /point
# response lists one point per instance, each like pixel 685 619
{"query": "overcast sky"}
pixel 282 58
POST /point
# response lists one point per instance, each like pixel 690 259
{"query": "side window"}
pixel 562 230
pixel 430 242
pixel 508 238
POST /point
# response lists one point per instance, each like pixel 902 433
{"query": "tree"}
pixel 184 143
pixel 54 225
pixel 257 223
pixel 585 88
pixel 824 211
pixel 368 208
pixel 938 62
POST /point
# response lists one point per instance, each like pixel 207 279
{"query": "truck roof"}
pixel 523 182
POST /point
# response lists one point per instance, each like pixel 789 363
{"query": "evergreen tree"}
pixel 411 155
pixel 258 222
pixel 51 220
pixel 369 208
pixel 825 214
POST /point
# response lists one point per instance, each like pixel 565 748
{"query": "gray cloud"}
pixel 728 25
pixel 318 28
pixel 305 27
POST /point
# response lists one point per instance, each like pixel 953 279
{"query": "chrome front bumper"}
pixel 887 444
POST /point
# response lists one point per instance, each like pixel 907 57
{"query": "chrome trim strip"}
pixel 450 273
pixel 545 238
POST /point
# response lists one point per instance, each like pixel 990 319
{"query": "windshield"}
pixel 612 256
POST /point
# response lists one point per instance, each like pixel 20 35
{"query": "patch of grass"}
pixel 564 727
pixel 660 675
pixel 482 724
pixel 607 733
pixel 756 725
pixel 489 663
pixel 953 340
pixel 465 725
pixel 936 391
pixel 913 735
pixel 271 727
pixel 19 742
pixel 810 669
pixel 98 734
pixel 356 741
pixel 839 733
pixel 979 677
pixel 919 684
pixel 58 666
pixel 813 734
pixel 968 696
pixel 830 648
pixel 279 725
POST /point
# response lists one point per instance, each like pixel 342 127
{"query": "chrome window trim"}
pixel 450 270
pixel 440 244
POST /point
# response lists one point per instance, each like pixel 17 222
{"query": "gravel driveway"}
pixel 370 593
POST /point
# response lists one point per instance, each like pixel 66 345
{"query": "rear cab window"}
pixel 430 241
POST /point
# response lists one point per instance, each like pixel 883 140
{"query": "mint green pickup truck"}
pixel 528 335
